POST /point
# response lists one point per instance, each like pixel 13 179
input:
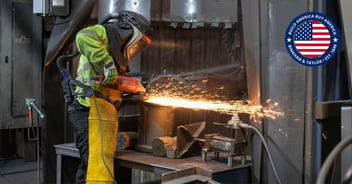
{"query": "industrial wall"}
pixel 20 62
pixel 20 76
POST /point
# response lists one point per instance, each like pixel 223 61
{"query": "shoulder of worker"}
pixel 94 30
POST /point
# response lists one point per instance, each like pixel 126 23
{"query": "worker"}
pixel 105 50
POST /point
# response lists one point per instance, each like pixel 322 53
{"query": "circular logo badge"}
pixel 312 39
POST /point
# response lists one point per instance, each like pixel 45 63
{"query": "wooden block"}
pixel 160 144
pixel 126 140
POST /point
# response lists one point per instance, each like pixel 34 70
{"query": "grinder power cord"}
pixel 69 94
pixel 236 122
pixel 243 125
pixel 324 171
pixel 101 137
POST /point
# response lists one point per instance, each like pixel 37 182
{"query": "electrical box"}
pixel 51 7
pixel 40 7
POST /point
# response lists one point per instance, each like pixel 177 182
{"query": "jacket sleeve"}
pixel 92 42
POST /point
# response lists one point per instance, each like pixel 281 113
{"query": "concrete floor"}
pixel 18 171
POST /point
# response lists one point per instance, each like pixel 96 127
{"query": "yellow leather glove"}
pixel 114 95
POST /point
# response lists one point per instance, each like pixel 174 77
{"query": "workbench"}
pixel 160 165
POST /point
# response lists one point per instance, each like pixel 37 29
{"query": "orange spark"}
pixel 227 107
pixel 193 97
pixel 325 137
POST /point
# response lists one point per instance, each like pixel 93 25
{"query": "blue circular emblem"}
pixel 312 39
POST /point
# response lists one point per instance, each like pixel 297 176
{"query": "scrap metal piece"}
pixel 191 175
pixel 157 121
pixel 233 146
pixel 187 138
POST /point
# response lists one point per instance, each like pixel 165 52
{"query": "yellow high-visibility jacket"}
pixel 92 43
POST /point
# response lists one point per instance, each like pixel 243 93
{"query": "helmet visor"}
pixel 137 44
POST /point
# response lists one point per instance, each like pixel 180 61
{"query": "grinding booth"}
pixel 155 139
pixel 225 102
pixel 223 96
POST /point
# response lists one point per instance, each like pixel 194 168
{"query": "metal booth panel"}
pixel 275 77
pixel 346 110
pixel 286 84
pixel 346 15
pixel 251 49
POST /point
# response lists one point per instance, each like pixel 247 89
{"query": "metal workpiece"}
pixel 156 121
pixel 187 142
pixel 232 146
pixel 191 175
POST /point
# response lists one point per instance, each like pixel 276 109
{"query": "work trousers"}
pixel 78 117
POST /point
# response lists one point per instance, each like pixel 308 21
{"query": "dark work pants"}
pixel 78 117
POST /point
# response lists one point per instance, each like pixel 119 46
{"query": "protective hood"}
pixel 128 34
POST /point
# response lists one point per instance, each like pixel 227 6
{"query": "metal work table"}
pixel 159 165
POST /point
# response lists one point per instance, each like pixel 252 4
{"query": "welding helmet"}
pixel 129 33
pixel 141 34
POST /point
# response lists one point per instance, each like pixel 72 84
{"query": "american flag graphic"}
pixel 312 39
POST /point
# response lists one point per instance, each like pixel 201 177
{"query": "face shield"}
pixel 137 44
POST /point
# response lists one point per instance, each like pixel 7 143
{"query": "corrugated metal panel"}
pixel 178 50
pixel 160 10
pixel 286 84
pixel 194 10
pixel 183 50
